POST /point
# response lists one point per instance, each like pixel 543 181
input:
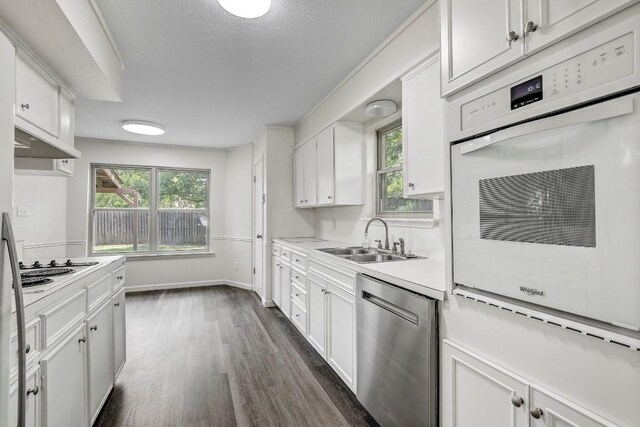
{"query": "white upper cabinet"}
pixel 36 98
pixel 423 132
pixel 329 168
pixel 479 38
pixel 325 151
pixel 547 21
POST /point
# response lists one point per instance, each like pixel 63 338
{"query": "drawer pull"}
pixel 298 277
pixel 298 295
pixel 536 413
pixel 297 315
pixel 120 277
pixel 116 304
pixel 24 106
pixel 27 349
pixel 33 391
pixel 297 260
pixel 517 401
pixel 82 340
pixel 94 328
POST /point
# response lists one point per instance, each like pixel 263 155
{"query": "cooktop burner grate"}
pixel 47 272
pixel 28 282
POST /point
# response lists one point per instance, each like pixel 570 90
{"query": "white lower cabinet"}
pixel 32 402
pixel 64 382
pixel 341 351
pixel 100 336
pixel 119 332
pixel 285 288
pixel 317 315
pixel 275 281
pixel 479 393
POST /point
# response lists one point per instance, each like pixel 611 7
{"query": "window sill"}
pixel 405 222
pixel 173 255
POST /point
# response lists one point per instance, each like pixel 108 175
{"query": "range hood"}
pixel 37 144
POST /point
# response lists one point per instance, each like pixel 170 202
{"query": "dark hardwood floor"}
pixel 215 357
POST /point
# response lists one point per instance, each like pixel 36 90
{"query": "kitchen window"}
pixel 390 178
pixel 148 210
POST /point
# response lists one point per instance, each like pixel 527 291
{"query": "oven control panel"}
pixel 606 63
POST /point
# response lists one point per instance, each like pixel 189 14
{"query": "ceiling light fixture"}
pixel 246 8
pixel 142 127
pixel 381 108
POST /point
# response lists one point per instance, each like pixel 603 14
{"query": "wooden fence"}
pixel 118 227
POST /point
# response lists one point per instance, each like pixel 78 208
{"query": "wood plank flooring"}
pixel 215 357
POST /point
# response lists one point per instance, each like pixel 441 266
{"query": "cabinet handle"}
pixel 119 277
pixel 297 315
pixel 298 277
pixel 329 197
pixel 24 106
pixel 412 185
pixel 83 339
pixel 301 201
pixel 306 201
pixel 530 27
pixel 517 401
pixel 297 260
pixel 298 295
pixel 27 349
pixel 94 328
pixel 536 413
pixel 116 304
pixel 65 162
pixel 33 391
pixel 512 36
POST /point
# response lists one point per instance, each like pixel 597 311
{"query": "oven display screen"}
pixel 526 93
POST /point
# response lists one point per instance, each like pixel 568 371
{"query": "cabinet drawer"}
pixel 99 292
pixel 299 295
pixel 299 260
pixel 337 276
pixel 119 277
pixel 285 253
pixel 299 278
pixel 61 319
pixel 276 250
pixel 33 348
pixel 299 317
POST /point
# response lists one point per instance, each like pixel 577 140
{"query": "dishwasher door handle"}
pixel 391 308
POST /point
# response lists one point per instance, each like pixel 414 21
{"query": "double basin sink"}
pixel 366 256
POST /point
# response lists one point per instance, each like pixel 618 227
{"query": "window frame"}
pixel 153 209
pixel 381 171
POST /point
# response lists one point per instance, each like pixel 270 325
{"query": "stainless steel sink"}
pixel 354 250
pixel 370 258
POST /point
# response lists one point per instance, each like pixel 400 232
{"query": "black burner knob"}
pixel 37 264
pixel 53 263
pixel 68 263
pixel 21 265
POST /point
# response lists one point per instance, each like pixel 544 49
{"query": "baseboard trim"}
pixel 268 303
pixel 183 285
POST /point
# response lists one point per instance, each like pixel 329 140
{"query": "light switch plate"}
pixel 22 211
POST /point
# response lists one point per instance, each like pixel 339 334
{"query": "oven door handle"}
pixel 593 113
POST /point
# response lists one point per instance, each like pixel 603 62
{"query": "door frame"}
pixel 254 239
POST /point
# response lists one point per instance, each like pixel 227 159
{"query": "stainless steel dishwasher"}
pixel 397 340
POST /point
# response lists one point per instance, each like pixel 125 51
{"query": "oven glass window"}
pixel 554 207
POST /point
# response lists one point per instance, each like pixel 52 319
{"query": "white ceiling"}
pixel 213 79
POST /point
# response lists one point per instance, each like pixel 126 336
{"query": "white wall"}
pixel 179 270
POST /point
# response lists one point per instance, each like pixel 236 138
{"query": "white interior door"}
pixel 258 227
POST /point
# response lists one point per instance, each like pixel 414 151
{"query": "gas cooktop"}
pixel 56 264
pixel 35 276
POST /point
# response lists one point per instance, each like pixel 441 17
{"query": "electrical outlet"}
pixel 22 211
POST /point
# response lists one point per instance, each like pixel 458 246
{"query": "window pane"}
pixel 182 230
pixel 122 187
pixel 392 146
pixel 120 231
pixel 183 189
pixel 391 195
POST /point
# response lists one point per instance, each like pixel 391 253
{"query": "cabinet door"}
pixel 342 335
pixel 317 315
pixel 554 20
pixel 285 289
pixel 547 410
pixel 275 280
pixel 298 179
pixel 100 336
pixel 64 381
pixel 422 129
pixel 477 393
pixel 325 160
pixel 474 39
pixel 119 332
pixel 36 98
pixel 310 174
pixel 66 122
pixel 32 402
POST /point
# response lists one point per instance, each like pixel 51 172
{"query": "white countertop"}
pixel 423 275
pixel 64 281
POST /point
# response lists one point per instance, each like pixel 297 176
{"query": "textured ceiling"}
pixel 213 79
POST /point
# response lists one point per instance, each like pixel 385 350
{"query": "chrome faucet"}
pixel 386 230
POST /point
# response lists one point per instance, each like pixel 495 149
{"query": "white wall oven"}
pixel 546 178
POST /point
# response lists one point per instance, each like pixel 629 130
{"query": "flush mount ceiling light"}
pixel 381 108
pixel 246 8
pixel 142 127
